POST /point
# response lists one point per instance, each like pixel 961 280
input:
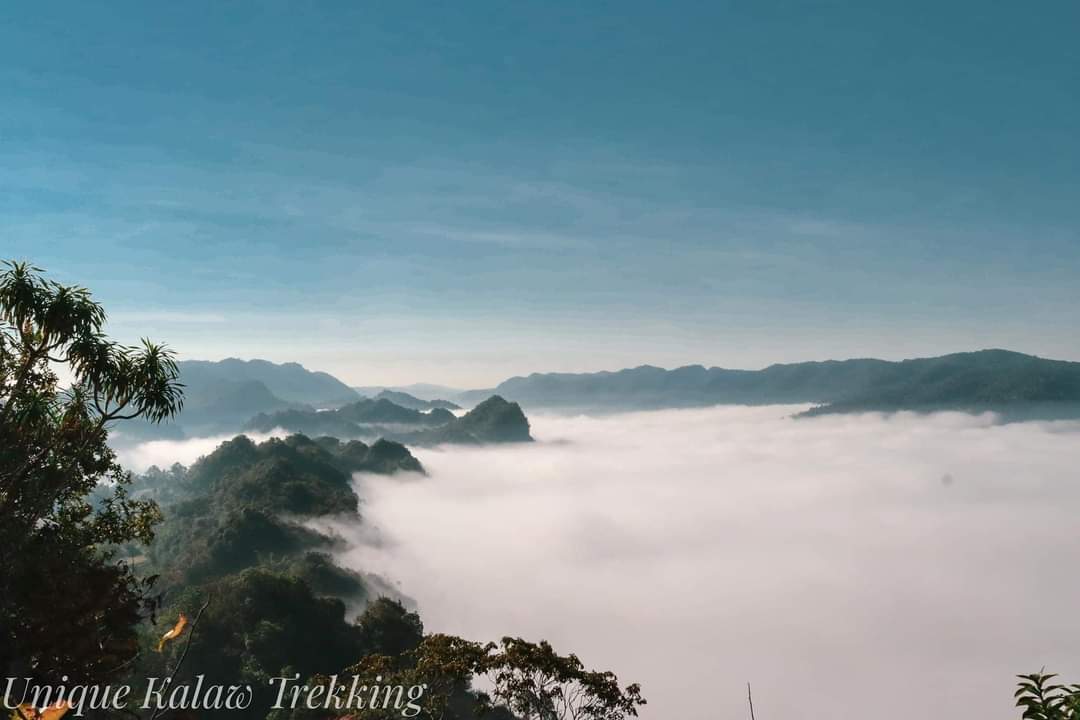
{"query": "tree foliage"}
pixel 535 682
pixel 524 680
pixel 1043 699
pixel 63 496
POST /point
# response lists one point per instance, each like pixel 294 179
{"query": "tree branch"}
pixel 20 379
pixel 179 663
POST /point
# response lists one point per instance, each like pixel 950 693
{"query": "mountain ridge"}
pixel 290 381
pixel 977 380
pixel 494 420
pixel 223 395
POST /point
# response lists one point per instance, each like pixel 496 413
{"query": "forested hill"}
pixel 987 379
pixel 237 535
pixel 229 509
pixel 404 399
pixel 493 421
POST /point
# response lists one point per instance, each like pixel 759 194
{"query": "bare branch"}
pixel 179 663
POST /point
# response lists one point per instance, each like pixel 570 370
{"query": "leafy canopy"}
pixel 1043 699
pixel 526 680
pixel 63 499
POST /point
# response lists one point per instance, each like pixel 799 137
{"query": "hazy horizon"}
pixel 592 368
pixel 459 194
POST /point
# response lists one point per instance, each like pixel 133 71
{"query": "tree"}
pixel 68 608
pixel 525 681
pixel 1042 699
pixel 536 683
pixel 389 629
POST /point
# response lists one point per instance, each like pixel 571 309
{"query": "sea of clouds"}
pixel 861 567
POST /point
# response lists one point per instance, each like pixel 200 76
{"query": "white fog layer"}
pixel 850 567
pixel 163 453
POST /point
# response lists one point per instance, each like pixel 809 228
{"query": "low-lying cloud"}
pixel 849 567
pixel 163 453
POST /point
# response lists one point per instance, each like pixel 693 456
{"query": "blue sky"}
pixel 459 192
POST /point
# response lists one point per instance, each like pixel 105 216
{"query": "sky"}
pixel 460 192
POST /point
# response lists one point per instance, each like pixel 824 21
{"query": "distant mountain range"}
pixel 492 421
pixel 221 396
pixel 226 396
pixel 1016 384
pixel 421 391
pixel 290 382
pixel 346 421
pixel 404 399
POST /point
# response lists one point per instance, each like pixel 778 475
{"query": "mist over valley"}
pixel 702 548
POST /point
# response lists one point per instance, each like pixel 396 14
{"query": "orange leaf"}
pixel 29 712
pixel 25 711
pixel 177 629
pixel 56 711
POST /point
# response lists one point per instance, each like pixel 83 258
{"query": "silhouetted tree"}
pixel 68 608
